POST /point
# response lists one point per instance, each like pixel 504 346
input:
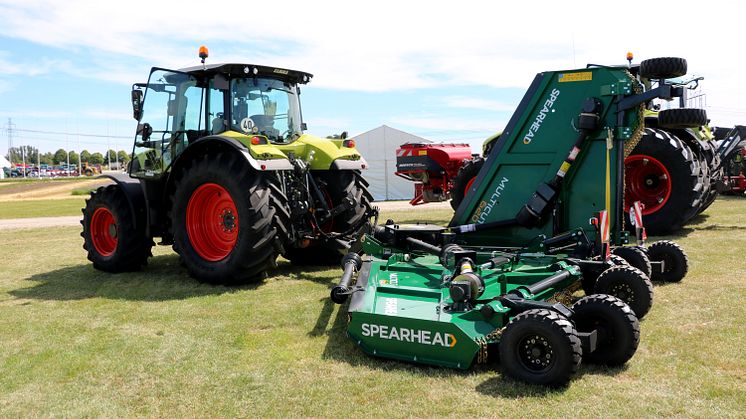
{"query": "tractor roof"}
pixel 235 70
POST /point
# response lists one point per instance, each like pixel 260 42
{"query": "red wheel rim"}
pixel 468 186
pixel 648 181
pixel 212 222
pixel 104 232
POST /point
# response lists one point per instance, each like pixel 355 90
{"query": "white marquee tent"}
pixel 378 147
pixel 3 164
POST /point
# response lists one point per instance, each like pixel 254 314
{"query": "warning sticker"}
pixel 581 76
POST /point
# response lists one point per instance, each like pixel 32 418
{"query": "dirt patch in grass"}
pixel 47 189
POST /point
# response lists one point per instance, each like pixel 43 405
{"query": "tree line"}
pixel 33 156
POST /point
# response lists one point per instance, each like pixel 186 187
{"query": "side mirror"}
pixel 303 126
pixel 137 103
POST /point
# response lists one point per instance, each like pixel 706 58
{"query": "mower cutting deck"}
pixel 505 271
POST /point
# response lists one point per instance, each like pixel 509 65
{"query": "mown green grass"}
pixel 42 207
pixel 77 342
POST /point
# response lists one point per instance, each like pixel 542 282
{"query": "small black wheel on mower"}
pixel 617 328
pixel 466 176
pixel 682 118
pixel 628 284
pixel 634 256
pixel 115 242
pixel 540 347
pixel 663 68
pixel 675 261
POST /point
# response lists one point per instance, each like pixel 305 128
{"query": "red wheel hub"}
pixel 104 232
pixel 647 180
pixel 212 222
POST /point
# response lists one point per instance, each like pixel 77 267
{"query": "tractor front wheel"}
pixel 675 261
pixel 617 328
pixel 628 284
pixel 111 236
pixel 223 220
pixel 540 347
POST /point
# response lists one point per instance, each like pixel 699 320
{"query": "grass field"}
pixel 76 342
pixel 42 207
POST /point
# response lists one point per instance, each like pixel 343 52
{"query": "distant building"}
pixel 378 147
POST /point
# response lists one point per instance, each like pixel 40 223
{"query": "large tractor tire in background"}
pixel 224 223
pixel 662 172
pixel 336 186
pixel 466 176
pixel 113 238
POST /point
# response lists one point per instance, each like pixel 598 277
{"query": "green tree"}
pixel 74 157
pixel 46 158
pixel 60 156
pixel 17 154
pixel 96 158
pixel 85 156
pixel 123 156
pixel 111 156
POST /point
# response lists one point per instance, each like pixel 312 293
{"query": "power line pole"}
pixel 10 127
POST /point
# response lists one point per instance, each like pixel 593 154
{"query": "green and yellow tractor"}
pixel 223 171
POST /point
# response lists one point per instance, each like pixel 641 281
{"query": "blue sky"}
pixel 443 71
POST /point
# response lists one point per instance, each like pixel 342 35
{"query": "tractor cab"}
pixel 253 104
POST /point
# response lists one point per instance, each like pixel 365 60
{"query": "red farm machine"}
pixel 433 168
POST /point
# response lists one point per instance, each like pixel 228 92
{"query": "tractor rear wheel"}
pixel 463 181
pixel 540 347
pixel 675 261
pixel 336 187
pixel 634 256
pixel 628 284
pixel 111 235
pixel 663 68
pixel 617 328
pixel 223 220
pixel 662 173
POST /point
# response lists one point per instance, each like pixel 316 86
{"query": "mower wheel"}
pixel 682 118
pixel 635 256
pixel 663 68
pixel 617 328
pixel 466 176
pixel 111 236
pixel 675 261
pixel 336 187
pixel 224 221
pixel 630 285
pixel 540 347
pixel 662 172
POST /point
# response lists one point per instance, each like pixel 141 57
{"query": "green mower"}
pixel 535 228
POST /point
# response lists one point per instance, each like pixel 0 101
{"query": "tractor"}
pixel 223 171
pixel 537 225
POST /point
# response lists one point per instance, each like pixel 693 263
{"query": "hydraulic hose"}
pixel 351 263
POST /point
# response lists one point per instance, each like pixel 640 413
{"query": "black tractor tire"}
pixel 112 237
pixel 675 261
pixel 540 346
pixel 673 209
pixel 682 118
pixel 467 173
pixel 628 284
pixel 617 328
pixel 337 186
pixel 635 256
pixel 716 174
pixel 588 282
pixel 245 242
pixel 663 68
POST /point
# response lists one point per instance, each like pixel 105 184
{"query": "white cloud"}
pixel 388 45
pixel 442 125
pixel 467 102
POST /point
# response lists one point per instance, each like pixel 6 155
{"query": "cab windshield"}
pixel 266 107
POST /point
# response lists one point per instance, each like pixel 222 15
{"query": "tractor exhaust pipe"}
pixel 351 263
